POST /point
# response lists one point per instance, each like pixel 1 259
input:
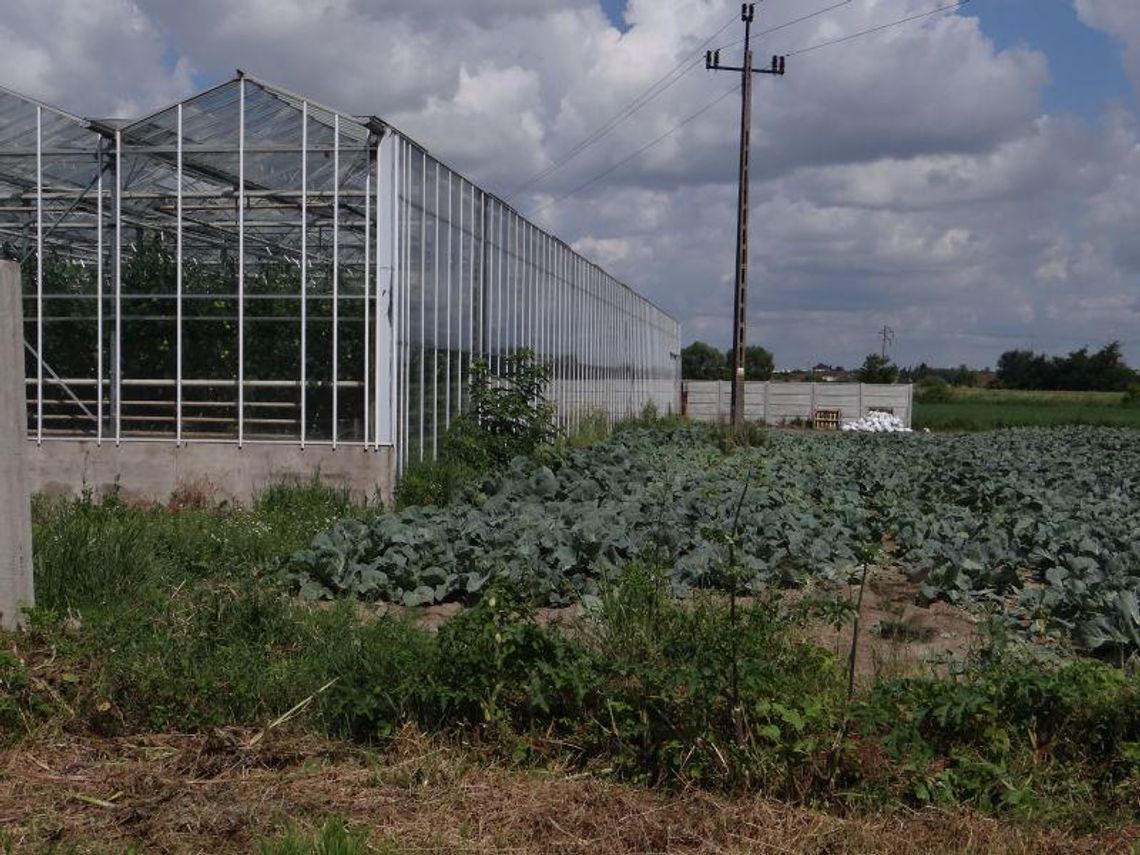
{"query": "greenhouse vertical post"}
pixel 117 362
pixel 404 301
pixel 435 321
pixel 336 282
pixel 484 273
pixel 366 351
pixel 241 266
pixel 542 305
pixel 387 260
pixel 422 279
pixel 178 287
pixel 304 367
pixel 99 304
pixel 39 276
pixel 447 338
pixel 502 283
pixel 387 243
pixel 462 287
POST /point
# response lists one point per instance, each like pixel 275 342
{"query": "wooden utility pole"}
pixel 740 300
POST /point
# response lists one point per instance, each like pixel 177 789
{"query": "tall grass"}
pixel 969 415
pixel 989 409
pixel 89 551
pixel 333 838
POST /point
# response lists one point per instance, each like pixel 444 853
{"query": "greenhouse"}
pixel 250 267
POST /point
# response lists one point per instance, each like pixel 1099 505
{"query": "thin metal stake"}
pixel 241 264
pixel 336 282
pixel 304 372
pixel 178 295
pixel 39 278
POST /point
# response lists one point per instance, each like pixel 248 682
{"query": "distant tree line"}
pixel 963 375
pixel 1080 371
pixel 701 361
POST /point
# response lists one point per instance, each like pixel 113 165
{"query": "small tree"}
pixel 758 363
pixel 700 361
pixel 509 414
pixel 878 369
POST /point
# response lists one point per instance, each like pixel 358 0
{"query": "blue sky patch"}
pixel 1085 64
pixel 615 9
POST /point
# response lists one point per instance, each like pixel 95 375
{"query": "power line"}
pixel 707 107
pixel 671 78
pixel 790 23
pixel 657 88
pixel 945 8
pixel 637 153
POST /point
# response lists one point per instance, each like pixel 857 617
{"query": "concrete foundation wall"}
pixel 152 471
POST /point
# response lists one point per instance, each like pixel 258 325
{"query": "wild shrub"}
pixel 498 666
pixel 689 693
pixel 1131 395
pixel 934 390
pixel 1006 735
pixel 508 416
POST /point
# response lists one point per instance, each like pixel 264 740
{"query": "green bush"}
pixel 1007 735
pixel 934 390
pixel 508 416
pixel 694 692
pixel 1132 396
pixel 498 665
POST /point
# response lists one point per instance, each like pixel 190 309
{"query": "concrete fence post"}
pixel 15 497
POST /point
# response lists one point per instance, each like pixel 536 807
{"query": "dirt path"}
pixel 213 794
pixel 898 633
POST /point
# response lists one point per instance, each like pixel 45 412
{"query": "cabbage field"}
pixel 1043 521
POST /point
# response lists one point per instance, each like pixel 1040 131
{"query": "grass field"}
pixel 987 409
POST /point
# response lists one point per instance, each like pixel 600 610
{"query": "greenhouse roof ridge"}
pixel 59 111
pixel 211 122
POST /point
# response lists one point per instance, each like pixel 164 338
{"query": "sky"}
pixel 970 178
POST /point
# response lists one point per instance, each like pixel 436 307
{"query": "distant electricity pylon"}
pixel 888 336
pixel 739 323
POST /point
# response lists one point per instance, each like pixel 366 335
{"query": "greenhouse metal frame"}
pixel 249 266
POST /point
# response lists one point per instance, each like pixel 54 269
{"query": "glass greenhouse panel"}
pixel 248 265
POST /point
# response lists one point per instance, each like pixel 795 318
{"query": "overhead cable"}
pixel 944 8
pixel 661 85
pixel 638 153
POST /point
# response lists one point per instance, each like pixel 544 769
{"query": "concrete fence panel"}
pixel 783 403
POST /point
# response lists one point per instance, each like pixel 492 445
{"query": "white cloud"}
pixel 1121 19
pixel 908 178
pixel 104 58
